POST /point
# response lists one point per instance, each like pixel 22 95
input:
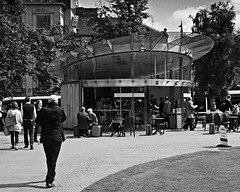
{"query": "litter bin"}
pixel 148 128
pixel 211 128
pixel 76 131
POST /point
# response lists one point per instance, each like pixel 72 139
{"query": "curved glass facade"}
pixel 137 65
pixel 157 55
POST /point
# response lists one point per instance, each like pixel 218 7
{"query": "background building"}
pixel 45 14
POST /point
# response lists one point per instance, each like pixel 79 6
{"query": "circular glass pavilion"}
pixel 120 74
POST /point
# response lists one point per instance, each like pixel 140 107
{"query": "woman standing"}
pixel 189 114
pixel 16 128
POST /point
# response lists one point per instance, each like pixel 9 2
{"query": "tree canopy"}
pixel 24 51
pixel 14 47
pixel 214 72
pixel 46 48
pixel 119 18
pixel 235 59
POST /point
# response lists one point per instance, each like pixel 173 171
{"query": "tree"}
pixel 119 18
pixel 214 72
pixel 24 51
pixel 46 48
pixel 65 39
pixel 14 47
pixel 42 53
pixel 235 59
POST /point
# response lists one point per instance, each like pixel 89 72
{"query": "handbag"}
pixel 6 131
pixel 12 120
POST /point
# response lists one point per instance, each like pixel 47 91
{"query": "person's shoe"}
pixel 12 147
pixel 50 185
pixel 31 147
pixel 16 147
pixel 26 146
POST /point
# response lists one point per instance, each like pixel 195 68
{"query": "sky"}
pixel 170 13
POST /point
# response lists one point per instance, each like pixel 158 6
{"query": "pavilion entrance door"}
pixel 131 99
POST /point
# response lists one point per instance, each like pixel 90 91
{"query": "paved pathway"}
pixel 83 161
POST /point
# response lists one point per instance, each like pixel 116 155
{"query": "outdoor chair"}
pixel 158 124
pixel 231 122
pixel 117 127
pixel 153 120
pixel 218 120
pixel 201 118
pixel 138 121
pixel 238 122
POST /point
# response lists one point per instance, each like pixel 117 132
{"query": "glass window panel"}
pixel 43 21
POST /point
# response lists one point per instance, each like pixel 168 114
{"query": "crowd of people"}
pixel 188 109
pixel 34 119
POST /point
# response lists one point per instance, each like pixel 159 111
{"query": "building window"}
pixel 43 21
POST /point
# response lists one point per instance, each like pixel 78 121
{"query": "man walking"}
pixel 50 119
pixel 29 116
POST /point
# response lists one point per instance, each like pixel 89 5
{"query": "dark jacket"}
pixel 161 106
pixel 50 119
pixel 228 105
pixel 83 120
pixel 28 111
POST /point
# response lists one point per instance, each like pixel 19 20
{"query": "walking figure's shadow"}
pixel 24 185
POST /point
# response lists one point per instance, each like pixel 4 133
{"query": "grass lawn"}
pixel 213 171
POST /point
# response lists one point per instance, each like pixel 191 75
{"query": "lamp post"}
pixel 150 50
pixel 132 68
